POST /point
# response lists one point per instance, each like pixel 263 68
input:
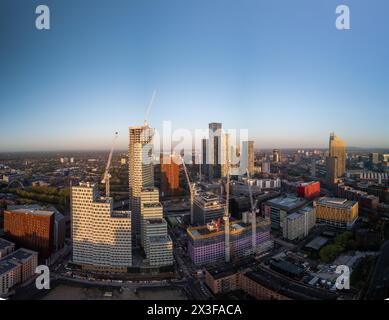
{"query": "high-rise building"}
pixel 374 158
pixel 265 168
pixel 337 150
pixel 276 155
pixel 101 236
pixel 247 157
pixel 214 150
pixel 155 240
pixel 207 207
pixel 141 170
pixel 170 175
pixel 226 151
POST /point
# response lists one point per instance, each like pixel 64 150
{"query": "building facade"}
pixel 207 207
pixel 298 225
pixel 309 190
pixel 206 244
pixel 31 229
pixel 170 175
pixel 140 169
pixel 337 212
pixel 101 236
pixel 16 268
pixel 336 161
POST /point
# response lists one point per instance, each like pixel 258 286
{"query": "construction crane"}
pixel 226 216
pixel 192 190
pixel 107 176
pixel 149 107
pixel 253 215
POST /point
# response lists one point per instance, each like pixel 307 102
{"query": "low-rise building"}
pixel 16 268
pixel 337 212
pixel 309 190
pixel 6 247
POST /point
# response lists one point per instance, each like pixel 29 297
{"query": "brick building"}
pixel 31 229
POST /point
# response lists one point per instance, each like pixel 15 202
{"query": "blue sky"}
pixel 278 68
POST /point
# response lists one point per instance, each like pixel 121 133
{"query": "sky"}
pixel 280 69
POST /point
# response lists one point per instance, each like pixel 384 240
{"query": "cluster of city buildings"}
pixel 103 238
pixel 16 267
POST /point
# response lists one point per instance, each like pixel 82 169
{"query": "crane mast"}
pixel 253 215
pixel 226 217
pixel 107 175
pixel 191 190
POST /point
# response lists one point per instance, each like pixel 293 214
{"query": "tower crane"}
pixel 226 216
pixel 107 176
pixel 253 215
pixel 149 107
pixel 192 189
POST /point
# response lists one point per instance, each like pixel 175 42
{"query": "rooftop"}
pixel 287 203
pixel 317 243
pixel 152 205
pixel 288 287
pixel 5 243
pixel 160 239
pixel 43 213
pixel 337 202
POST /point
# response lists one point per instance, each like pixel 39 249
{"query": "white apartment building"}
pixel 297 225
pixel 155 240
pixel 101 236
pixel 160 251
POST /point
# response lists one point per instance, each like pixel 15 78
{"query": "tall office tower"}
pixel 276 155
pixel 214 154
pixel 155 240
pixel 170 175
pixel 247 157
pixel 140 169
pixel 332 170
pixel 337 149
pixel 313 168
pixel 101 236
pixel 374 158
pixel 225 152
pixel 204 157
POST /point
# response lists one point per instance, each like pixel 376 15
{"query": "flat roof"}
pixel 43 213
pixel 317 243
pixel 6 266
pixel 160 239
pixel 337 202
pixel 152 205
pixel 20 255
pixel 5 243
pixel 288 287
pixel 287 203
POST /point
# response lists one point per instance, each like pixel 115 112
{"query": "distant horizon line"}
pixel 351 148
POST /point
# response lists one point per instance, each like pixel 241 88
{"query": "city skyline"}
pixel 69 88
